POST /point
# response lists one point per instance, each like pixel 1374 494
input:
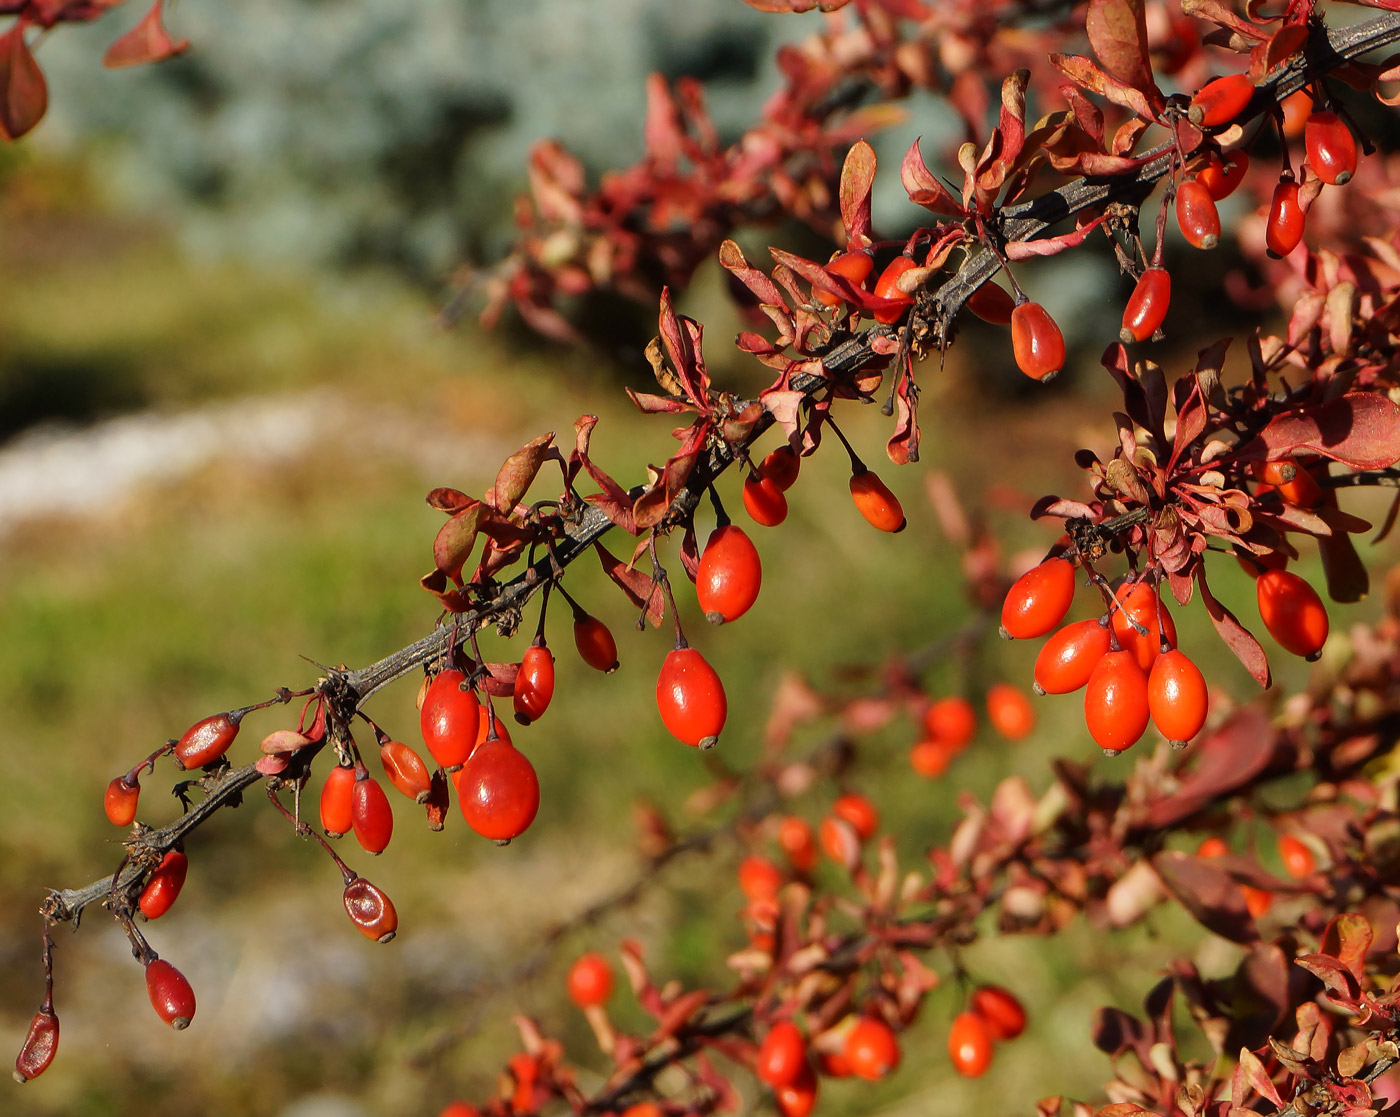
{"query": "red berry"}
pixel 992 303
pixel 970 1045
pixel 1222 175
pixel 1038 600
pixel 879 506
pixel 764 501
pixel 1000 1009
pixel 730 575
pixel 499 791
pixel 1257 901
pixel 1141 605
pixel 855 267
pixel 871 1049
pixel 337 817
pixel 1147 306
pixel 450 719
pixel 782 1056
pixel 930 758
pixel 1010 711
pixel 1176 696
pixel 799 1097
pixel 1196 215
pixel 1292 612
pixel 534 683
pixel 759 878
pixel 1297 106
pixel 164 884
pixel 887 287
pixel 839 840
pixel 120 801
pixel 1298 859
pixel 406 771
pixel 1218 102
pixel 795 839
pixel 1284 229
pixel 370 814
pixel 370 910
pixel 1331 148
pixel 781 466
pixel 590 980
pixel 1294 484
pixel 860 812
pixel 1068 658
pixel 39 1047
pixel 171 995
pixel 459 1109
pixel 1115 701
pixel 205 741
pixel 595 644
pixel 952 720
pixel 691 699
pixel 1036 342
pixel 1212 847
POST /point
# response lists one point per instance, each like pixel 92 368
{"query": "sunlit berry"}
pixel 690 698
pixel 1038 600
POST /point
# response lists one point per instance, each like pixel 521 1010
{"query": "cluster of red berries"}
pixel 950 724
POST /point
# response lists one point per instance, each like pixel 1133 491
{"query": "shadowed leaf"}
pixel 1208 893
pixel 518 471
pixel 1117 32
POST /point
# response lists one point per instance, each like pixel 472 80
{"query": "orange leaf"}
pixel 23 93
pixel 148 41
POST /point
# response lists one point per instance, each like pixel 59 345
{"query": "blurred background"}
pixel 223 395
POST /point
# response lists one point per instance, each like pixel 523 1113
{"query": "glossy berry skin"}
pixel 970 1045
pixel 1177 697
pixel 799 1097
pixel 120 801
pixel 951 720
pixel 764 501
pixel 1115 702
pixel 371 817
pixel 1000 1009
pixel 879 506
pixel 499 791
pixel 854 267
pixel 887 287
pixel 1036 342
pixel 730 575
pixel 171 995
pixel 164 885
pixel 1147 306
pixel 1294 484
pixel 595 644
pixel 759 878
pixel 1218 102
pixel 1298 859
pixel 590 980
pixel 534 683
pixel 871 1049
pixel 690 698
pixel 860 812
pixel 1010 711
pixel 205 741
pixel 1221 176
pixel 1068 658
pixel 1141 604
pixel 39 1047
pixel 1292 612
pixel 1331 148
pixel 992 303
pixel 1038 600
pixel 337 815
pixel 782 1056
pixel 781 465
pixel 1196 215
pixel 450 719
pixel 370 910
pixel 1284 229
pixel 796 840
pixel 405 769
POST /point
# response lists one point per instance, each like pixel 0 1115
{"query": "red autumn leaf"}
pixel 455 540
pixel 1237 638
pixel 24 95
pixel 1004 146
pixel 857 180
pixel 1359 429
pixel 613 500
pixel 1251 1075
pixel 652 505
pixel 640 588
pixel 924 188
pixel 1209 893
pixel 148 41
pixel 453 600
pixel 449 500
pixel 1052 246
pixel 903 445
pixel 1348 938
pixel 1226 758
pixel 681 336
pixel 662 130
pixel 499 680
pixel 1117 32
pixel 518 472
pixel 1083 72
pixel 763 288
